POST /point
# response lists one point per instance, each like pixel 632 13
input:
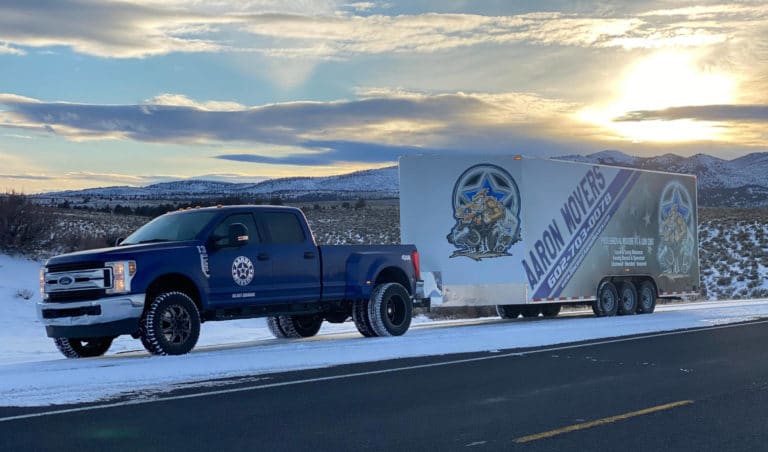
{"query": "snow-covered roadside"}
pixel 62 381
pixel 33 373
pixel 23 339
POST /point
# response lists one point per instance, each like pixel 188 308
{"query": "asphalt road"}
pixel 697 390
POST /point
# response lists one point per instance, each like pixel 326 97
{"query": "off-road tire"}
pixel 171 324
pixel 551 310
pixel 273 323
pixel 390 309
pixel 83 348
pixel 607 303
pixel 361 319
pixel 297 326
pixel 627 299
pixel 531 311
pixel 508 311
pixel 646 298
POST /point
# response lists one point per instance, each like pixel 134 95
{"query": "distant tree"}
pixel 360 204
pixel 123 210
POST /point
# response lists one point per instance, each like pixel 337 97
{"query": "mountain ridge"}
pixel 740 182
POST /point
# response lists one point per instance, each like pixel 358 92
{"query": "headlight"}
pixel 42 284
pixel 122 274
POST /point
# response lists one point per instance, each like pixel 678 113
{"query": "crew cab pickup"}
pixel 219 263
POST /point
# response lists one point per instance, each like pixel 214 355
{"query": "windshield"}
pixel 171 228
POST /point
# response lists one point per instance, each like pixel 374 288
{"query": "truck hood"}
pixel 133 252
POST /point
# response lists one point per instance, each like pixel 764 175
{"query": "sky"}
pixel 102 92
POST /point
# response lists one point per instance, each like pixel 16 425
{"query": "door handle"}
pixel 262 256
pixel 309 254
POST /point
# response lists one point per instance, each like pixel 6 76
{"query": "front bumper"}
pixel 110 316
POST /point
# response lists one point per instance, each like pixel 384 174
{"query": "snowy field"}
pixel 33 373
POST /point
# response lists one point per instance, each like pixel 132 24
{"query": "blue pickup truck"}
pixel 220 263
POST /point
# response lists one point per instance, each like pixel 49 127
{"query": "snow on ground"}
pixel 33 373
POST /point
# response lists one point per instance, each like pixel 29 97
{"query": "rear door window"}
pixel 283 227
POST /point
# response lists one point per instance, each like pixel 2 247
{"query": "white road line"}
pixel 361 374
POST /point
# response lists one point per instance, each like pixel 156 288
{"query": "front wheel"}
pixel 390 310
pixel 171 325
pixel 83 348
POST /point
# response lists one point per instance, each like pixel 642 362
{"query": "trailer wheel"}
pixel 531 311
pixel 360 317
pixel 607 302
pixel 508 311
pixel 646 298
pixel 83 348
pixel 171 325
pixel 273 323
pixel 296 326
pixel 390 310
pixel 551 310
pixel 627 298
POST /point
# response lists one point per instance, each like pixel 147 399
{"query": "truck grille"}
pixel 74 312
pixel 56 268
pixel 72 282
pixel 76 295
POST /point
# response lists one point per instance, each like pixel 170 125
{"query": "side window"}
pixel 284 227
pixel 220 235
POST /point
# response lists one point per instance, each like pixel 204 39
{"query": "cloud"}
pixel 736 113
pixel 360 6
pixel 330 30
pixel 25 177
pixel 376 127
pixel 180 100
pixel 385 118
pixel 107 28
pixel 6 49
pixel 331 152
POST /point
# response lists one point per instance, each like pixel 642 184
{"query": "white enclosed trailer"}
pixel 529 235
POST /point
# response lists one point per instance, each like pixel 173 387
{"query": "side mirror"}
pixel 238 234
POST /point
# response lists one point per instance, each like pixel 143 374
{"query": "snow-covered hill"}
pixel 712 172
pixel 741 182
pixel 376 183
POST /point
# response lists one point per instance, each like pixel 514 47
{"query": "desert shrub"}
pixel 724 281
pixel 23 224
pixel 24 294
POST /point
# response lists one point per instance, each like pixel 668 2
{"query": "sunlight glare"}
pixel 663 80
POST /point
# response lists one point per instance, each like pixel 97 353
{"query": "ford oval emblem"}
pixel 65 280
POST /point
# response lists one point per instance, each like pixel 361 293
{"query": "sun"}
pixel 662 80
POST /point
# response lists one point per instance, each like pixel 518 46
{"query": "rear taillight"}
pixel 416 264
